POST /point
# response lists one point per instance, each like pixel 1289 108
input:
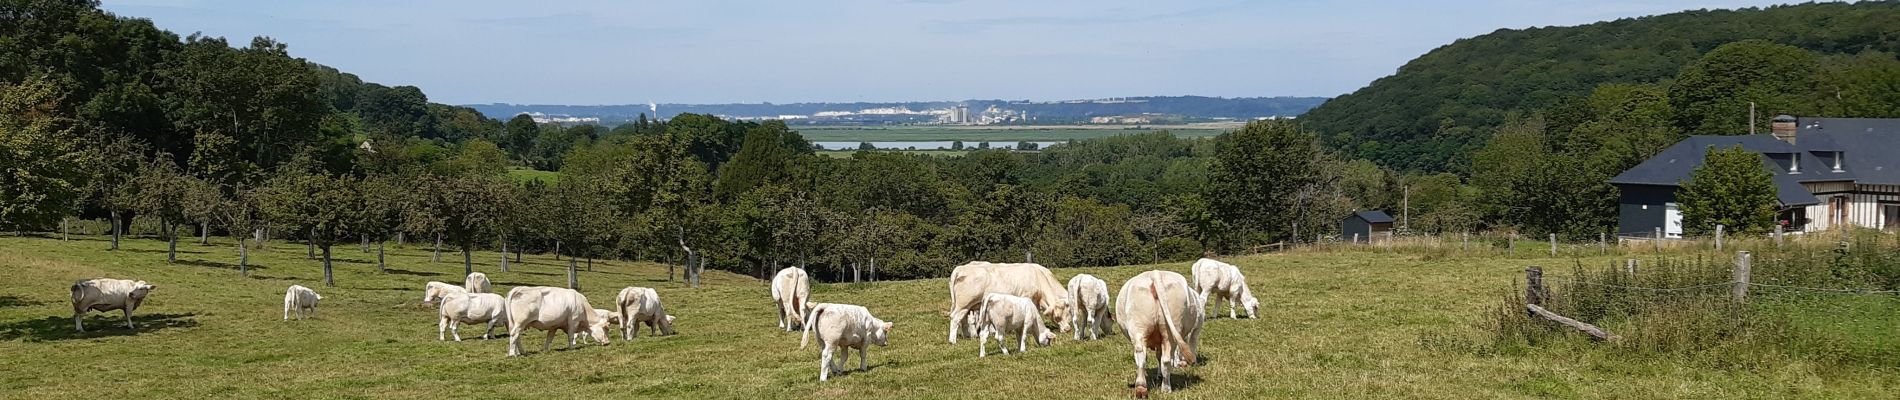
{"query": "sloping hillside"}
pixel 1439 107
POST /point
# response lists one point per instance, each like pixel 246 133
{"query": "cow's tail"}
pixel 1174 332
pixel 810 320
pixel 798 303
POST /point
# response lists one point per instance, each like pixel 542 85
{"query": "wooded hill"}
pixel 1437 109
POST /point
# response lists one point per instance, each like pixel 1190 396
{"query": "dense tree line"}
pixel 1439 109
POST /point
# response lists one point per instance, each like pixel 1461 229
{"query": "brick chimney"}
pixel 1783 128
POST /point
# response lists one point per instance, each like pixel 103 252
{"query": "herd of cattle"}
pixel 1158 311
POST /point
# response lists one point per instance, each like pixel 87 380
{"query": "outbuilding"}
pixel 1366 226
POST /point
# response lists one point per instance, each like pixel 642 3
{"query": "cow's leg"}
pixel 77 325
pixel 549 343
pixel 1022 338
pixel 491 329
pixel 286 311
pixel 455 329
pixel 864 362
pixel 983 343
pixel 573 333
pixel 956 318
pixel 1141 369
pixel 128 319
pixel 1231 296
pixel 514 340
pixel 441 325
pixel 824 362
pixel 781 315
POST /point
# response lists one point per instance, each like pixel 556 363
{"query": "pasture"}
pixel 1333 324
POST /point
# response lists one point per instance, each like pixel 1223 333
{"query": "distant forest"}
pixel 1441 107
pixel 1044 112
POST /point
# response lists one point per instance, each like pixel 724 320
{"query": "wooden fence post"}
pixel 1355 238
pixel 1657 240
pixel 1742 266
pixel 1465 242
pixel 1553 245
pixel 1510 244
pixel 1534 285
pixel 1603 244
pixel 1718 237
pixel 1629 265
pixel 1778 235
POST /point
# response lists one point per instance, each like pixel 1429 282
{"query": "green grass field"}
pixel 1351 324
pixel 1007 134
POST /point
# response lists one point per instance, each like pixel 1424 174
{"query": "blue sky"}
pixel 718 51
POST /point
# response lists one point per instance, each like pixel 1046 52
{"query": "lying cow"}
pixel 550 309
pixel 106 294
pixel 476 283
pixel 843 326
pixel 1090 312
pixel 1003 313
pixel 300 298
pixel 1154 309
pixel 641 306
pixel 470 308
pixel 970 282
pixel 1222 281
pixel 433 291
pixel 791 288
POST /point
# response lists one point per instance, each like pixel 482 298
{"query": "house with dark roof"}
pixel 1829 173
pixel 1368 226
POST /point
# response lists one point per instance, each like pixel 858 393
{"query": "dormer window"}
pixel 1837 160
pixel 1795 167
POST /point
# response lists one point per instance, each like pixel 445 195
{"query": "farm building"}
pixel 1829 173
pixel 1367 226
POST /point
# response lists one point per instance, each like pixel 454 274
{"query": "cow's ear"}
pixel 887 326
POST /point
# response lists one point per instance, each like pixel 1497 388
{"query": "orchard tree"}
pixel 162 193
pixel 1730 188
pixel 43 168
pixel 323 206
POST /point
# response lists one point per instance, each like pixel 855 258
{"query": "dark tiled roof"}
pixel 1375 217
pixel 1673 165
pixel 1870 149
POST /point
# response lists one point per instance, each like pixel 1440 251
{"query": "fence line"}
pixel 1847 291
pixel 1729 283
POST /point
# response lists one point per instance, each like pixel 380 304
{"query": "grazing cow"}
pixel 1090 312
pixel 843 326
pixel 436 291
pixel 970 282
pixel 470 308
pixel 476 283
pixel 300 298
pixel 1222 281
pixel 1153 309
pixel 106 294
pixel 1009 313
pixel 638 306
pixel 606 318
pixel 791 288
pixel 550 309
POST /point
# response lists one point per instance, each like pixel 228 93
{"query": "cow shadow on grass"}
pixel 16 301
pixel 97 325
pixel 274 278
pixel 219 264
pixel 162 251
pixel 1179 382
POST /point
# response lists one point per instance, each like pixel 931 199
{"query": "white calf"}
pixel 1091 306
pixel 300 298
pixel 638 306
pixel 1222 281
pixel 476 283
pixel 1010 313
pixel 843 326
pixel 791 288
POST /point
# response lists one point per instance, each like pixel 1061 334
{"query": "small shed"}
pixel 1366 226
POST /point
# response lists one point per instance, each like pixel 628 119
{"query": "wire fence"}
pixel 1721 284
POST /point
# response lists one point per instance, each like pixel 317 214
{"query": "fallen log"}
pixel 1592 330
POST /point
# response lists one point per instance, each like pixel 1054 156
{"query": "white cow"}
pixel 1002 313
pixel 639 306
pixel 476 283
pixel 1222 281
pixel 300 298
pixel 1091 306
pixel 105 294
pixel 1155 309
pixel 433 291
pixel 791 288
pixel 470 308
pixel 550 309
pixel 970 282
pixel 843 326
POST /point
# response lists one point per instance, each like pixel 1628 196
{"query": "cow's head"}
pixel 598 329
pixel 434 291
pixel 1063 311
pixel 666 325
pixel 140 289
pixel 881 333
pixel 1249 302
pixel 1045 338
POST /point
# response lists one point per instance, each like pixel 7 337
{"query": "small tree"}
pixel 161 190
pixel 326 207
pixel 1730 188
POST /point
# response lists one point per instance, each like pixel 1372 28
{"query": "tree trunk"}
pixel 670 261
pixel 857 275
pixel 517 254
pixel 171 236
pixel 244 258
pixel 63 235
pixel 590 264
pixel 204 234
pixel 379 258
pixel 504 255
pixel 557 250
pixel 115 230
pixel 873 269
pixel 366 243
pixel 468 264
pixel 573 280
pixel 310 245
pixel 438 249
pixel 399 238
pixel 328 278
